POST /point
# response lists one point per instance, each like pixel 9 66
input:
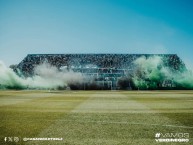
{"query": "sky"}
pixel 95 26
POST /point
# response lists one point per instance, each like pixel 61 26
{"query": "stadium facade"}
pixel 101 71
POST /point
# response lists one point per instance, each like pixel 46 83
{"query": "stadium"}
pixel 85 99
pixel 104 71
pixel 96 72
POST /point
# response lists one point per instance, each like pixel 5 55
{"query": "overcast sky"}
pixel 95 26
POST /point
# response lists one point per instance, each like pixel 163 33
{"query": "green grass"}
pixel 95 117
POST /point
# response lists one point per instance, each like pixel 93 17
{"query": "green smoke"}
pixel 8 79
pixel 153 73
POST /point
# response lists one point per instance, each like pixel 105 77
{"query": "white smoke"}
pixel 46 77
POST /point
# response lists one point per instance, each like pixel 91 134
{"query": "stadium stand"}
pixel 107 71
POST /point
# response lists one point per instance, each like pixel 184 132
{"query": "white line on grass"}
pixel 134 123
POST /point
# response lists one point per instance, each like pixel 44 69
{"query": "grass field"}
pixel 95 117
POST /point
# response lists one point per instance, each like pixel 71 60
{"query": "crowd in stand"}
pixel 107 63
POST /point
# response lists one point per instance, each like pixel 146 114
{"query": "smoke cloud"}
pixel 45 77
pixel 149 72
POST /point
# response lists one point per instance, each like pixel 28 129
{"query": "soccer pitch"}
pixel 95 117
